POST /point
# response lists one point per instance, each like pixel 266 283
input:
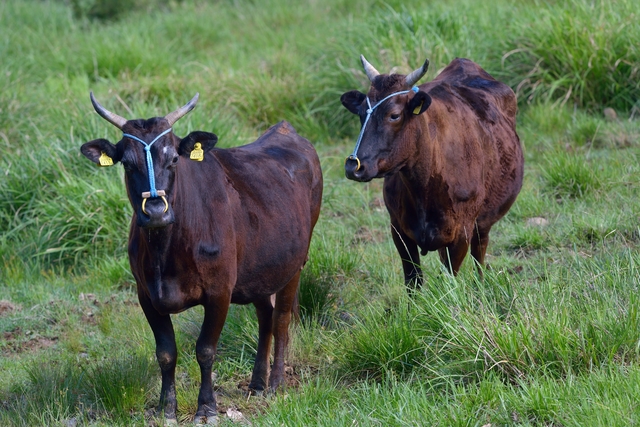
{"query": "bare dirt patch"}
pixel 18 341
pixel 7 307
pixel 366 235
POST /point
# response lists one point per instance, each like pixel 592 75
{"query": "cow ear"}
pixel 206 140
pixel 352 100
pixel 419 103
pixel 101 152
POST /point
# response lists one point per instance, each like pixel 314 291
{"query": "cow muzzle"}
pixel 155 211
pixel 354 170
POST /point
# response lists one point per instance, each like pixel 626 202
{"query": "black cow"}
pixel 234 227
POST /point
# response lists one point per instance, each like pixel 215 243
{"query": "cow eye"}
pixel 174 162
pixel 394 117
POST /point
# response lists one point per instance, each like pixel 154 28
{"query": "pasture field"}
pixel 549 337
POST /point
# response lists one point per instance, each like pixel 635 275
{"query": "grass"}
pixel 549 336
pixel 594 66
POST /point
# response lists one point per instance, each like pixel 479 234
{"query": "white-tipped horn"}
pixel 112 118
pixel 416 75
pixel 369 69
pixel 180 112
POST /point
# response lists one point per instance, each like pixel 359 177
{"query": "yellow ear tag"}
pixel 198 153
pixel 417 109
pixel 105 160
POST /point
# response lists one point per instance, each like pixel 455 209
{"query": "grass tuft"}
pixel 121 385
pixel 570 175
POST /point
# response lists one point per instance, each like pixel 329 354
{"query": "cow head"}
pixel 387 114
pixel 150 154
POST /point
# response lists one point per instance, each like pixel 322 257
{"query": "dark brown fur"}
pixel 238 231
pixel 451 171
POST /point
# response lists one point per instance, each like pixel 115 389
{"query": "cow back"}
pixel 274 191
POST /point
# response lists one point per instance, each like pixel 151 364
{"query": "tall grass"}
pixel 66 393
pixel 465 328
pixel 577 51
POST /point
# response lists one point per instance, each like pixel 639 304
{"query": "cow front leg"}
pixel 264 311
pixel 167 356
pixel 281 320
pixel 453 255
pixel 215 315
pixel 479 244
pixel 408 251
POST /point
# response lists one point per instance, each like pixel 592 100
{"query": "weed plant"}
pixel 549 336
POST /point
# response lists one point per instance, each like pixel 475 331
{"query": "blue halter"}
pixel 354 155
pixel 147 148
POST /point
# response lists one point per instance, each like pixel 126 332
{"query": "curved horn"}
pixel 112 118
pixel 369 69
pixel 180 112
pixel 416 75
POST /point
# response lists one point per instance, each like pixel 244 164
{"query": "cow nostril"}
pixel 353 167
pixel 351 159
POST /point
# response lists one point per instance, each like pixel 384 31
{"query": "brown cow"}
pixel 450 157
pixel 234 227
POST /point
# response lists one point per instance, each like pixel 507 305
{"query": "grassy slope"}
pixel 550 337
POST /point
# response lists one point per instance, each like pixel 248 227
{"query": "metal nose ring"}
pixel 147 194
pixel 352 157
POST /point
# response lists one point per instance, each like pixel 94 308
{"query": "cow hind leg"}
pixel 215 314
pixel 408 251
pixel 285 299
pixel 264 311
pixel 167 356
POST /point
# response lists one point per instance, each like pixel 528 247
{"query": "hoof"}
pixel 211 420
pixel 170 422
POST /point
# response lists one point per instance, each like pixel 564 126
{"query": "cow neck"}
pixel 154 256
pixel 157 240
pixel 434 203
pixel 370 110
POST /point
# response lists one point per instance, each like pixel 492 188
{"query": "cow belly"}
pixel 432 236
pixel 267 276
pixel 429 232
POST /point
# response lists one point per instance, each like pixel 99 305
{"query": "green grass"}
pixel 550 336
pixel 593 66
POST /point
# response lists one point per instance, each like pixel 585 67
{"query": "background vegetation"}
pixel 551 336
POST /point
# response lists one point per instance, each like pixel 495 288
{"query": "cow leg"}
pixel 479 244
pixel 215 314
pixel 408 250
pixel 264 311
pixel 167 355
pixel 453 254
pixel 281 318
